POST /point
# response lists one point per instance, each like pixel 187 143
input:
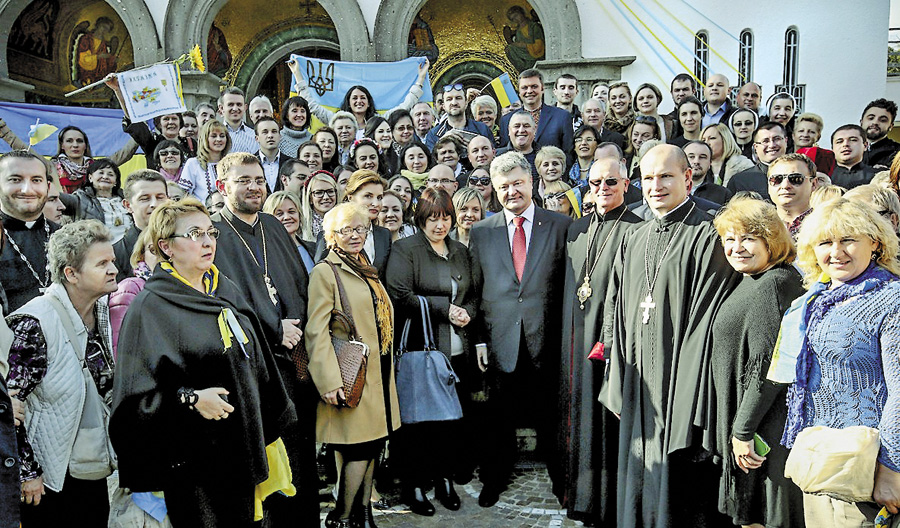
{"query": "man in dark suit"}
pixel 554 125
pixel 521 304
pixel 268 135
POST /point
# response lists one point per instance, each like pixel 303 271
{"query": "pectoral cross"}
pixel 647 305
pixel 273 293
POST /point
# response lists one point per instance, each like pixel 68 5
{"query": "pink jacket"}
pixel 119 301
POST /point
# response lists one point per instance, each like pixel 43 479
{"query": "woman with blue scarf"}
pixel 840 343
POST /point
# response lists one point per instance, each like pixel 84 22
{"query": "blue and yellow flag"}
pixel 504 90
pixel 388 82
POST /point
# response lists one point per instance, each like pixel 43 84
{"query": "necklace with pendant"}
pixel 585 291
pixel 273 293
pixel 12 243
pixel 648 303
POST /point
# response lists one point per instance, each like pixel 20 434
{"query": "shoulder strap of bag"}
pixel 67 325
pixel 345 304
pixel 427 331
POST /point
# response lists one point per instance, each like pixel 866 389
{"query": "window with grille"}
pixel 745 61
pixel 701 55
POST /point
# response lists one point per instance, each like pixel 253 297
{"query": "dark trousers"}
pixel 521 398
pixel 425 452
pixel 300 444
pixel 79 503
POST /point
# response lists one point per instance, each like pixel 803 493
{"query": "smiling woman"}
pixel 100 199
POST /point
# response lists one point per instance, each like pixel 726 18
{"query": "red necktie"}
pixel 518 247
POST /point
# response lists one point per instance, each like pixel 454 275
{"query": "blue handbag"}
pixel 426 383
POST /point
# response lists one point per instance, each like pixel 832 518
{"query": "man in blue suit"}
pixel 518 265
pixel 554 125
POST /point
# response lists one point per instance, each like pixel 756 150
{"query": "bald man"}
pixel 718 107
pixel 669 278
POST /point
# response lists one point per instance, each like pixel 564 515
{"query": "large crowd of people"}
pixel 676 303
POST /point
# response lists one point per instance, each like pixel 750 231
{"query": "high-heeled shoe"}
pixel 419 503
pixel 446 494
pixel 362 517
pixel 332 521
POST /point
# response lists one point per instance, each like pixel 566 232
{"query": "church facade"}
pixel 831 55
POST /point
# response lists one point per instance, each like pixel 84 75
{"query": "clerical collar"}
pixel 612 213
pixel 229 214
pixel 677 214
pixel 15 224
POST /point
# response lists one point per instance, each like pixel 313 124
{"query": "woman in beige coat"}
pixel 357 434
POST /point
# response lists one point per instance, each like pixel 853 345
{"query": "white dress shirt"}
pixel 527 225
pixel 243 139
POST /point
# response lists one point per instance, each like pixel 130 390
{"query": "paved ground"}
pixel 527 503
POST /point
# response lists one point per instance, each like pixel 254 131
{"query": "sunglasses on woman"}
pixel 479 180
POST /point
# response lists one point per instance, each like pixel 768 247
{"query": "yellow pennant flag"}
pixel 39 132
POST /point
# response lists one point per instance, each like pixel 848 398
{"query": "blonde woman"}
pixel 727 159
pixel 285 206
pixel 199 174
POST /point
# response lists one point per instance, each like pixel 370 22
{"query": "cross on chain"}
pixel 647 305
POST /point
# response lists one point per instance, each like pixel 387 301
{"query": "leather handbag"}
pixel 300 357
pixel 839 463
pixel 426 382
pixel 352 354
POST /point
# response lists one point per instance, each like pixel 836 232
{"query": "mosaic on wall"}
pixel 58 46
pixel 453 32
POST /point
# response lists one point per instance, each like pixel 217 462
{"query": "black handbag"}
pixel 426 382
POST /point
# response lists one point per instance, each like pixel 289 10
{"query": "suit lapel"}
pixel 542 125
pixel 500 242
pixel 539 231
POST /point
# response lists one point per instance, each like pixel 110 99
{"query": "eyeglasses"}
pixel 197 234
pixel 610 182
pixel 586 139
pixel 451 87
pixel 347 231
pixel 442 181
pixel 794 179
pixel 645 119
pixel 587 207
pixel 245 182
pixel 166 153
pixel 479 180
pixel 772 141
pixel 331 193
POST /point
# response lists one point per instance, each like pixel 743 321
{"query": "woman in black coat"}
pixel 431 265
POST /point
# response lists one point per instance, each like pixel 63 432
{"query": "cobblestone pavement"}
pixel 527 503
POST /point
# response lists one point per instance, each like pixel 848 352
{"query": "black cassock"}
pixel 588 432
pixel 288 280
pixel 659 369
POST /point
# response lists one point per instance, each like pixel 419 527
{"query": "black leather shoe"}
pixel 331 521
pixel 361 517
pixel 444 492
pixel 488 497
pixel 419 503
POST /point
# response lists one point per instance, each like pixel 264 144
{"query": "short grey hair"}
pixel 484 100
pixel 69 246
pixel 600 103
pixel 341 114
pixel 525 115
pixel 339 217
pixel 261 99
pixel 505 163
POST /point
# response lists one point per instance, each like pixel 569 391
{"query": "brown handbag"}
pixel 352 354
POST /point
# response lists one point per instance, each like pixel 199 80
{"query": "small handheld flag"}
pixel 39 132
pixel 504 91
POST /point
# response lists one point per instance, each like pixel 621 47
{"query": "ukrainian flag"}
pixel 504 90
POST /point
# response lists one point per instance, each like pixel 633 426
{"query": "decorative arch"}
pixel 188 23
pixel 560 18
pixel 261 60
pixel 134 14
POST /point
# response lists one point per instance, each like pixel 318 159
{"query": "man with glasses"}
pixel 792 179
pixel 553 126
pixel 849 145
pixel 256 252
pixel 441 177
pixel 769 143
pixel 588 432
pixel 293 175
pixel 456 121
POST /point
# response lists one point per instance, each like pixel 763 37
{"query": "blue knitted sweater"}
pixel 854 376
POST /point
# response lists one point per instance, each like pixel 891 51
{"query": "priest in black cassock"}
pixel 588 432
pixel 669 278
pixel 24 186
pixel 257 254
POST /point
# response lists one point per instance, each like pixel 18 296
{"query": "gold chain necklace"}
pixel 585 291
pixel 273 293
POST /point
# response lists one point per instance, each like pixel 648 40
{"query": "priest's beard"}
pixel 243 207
